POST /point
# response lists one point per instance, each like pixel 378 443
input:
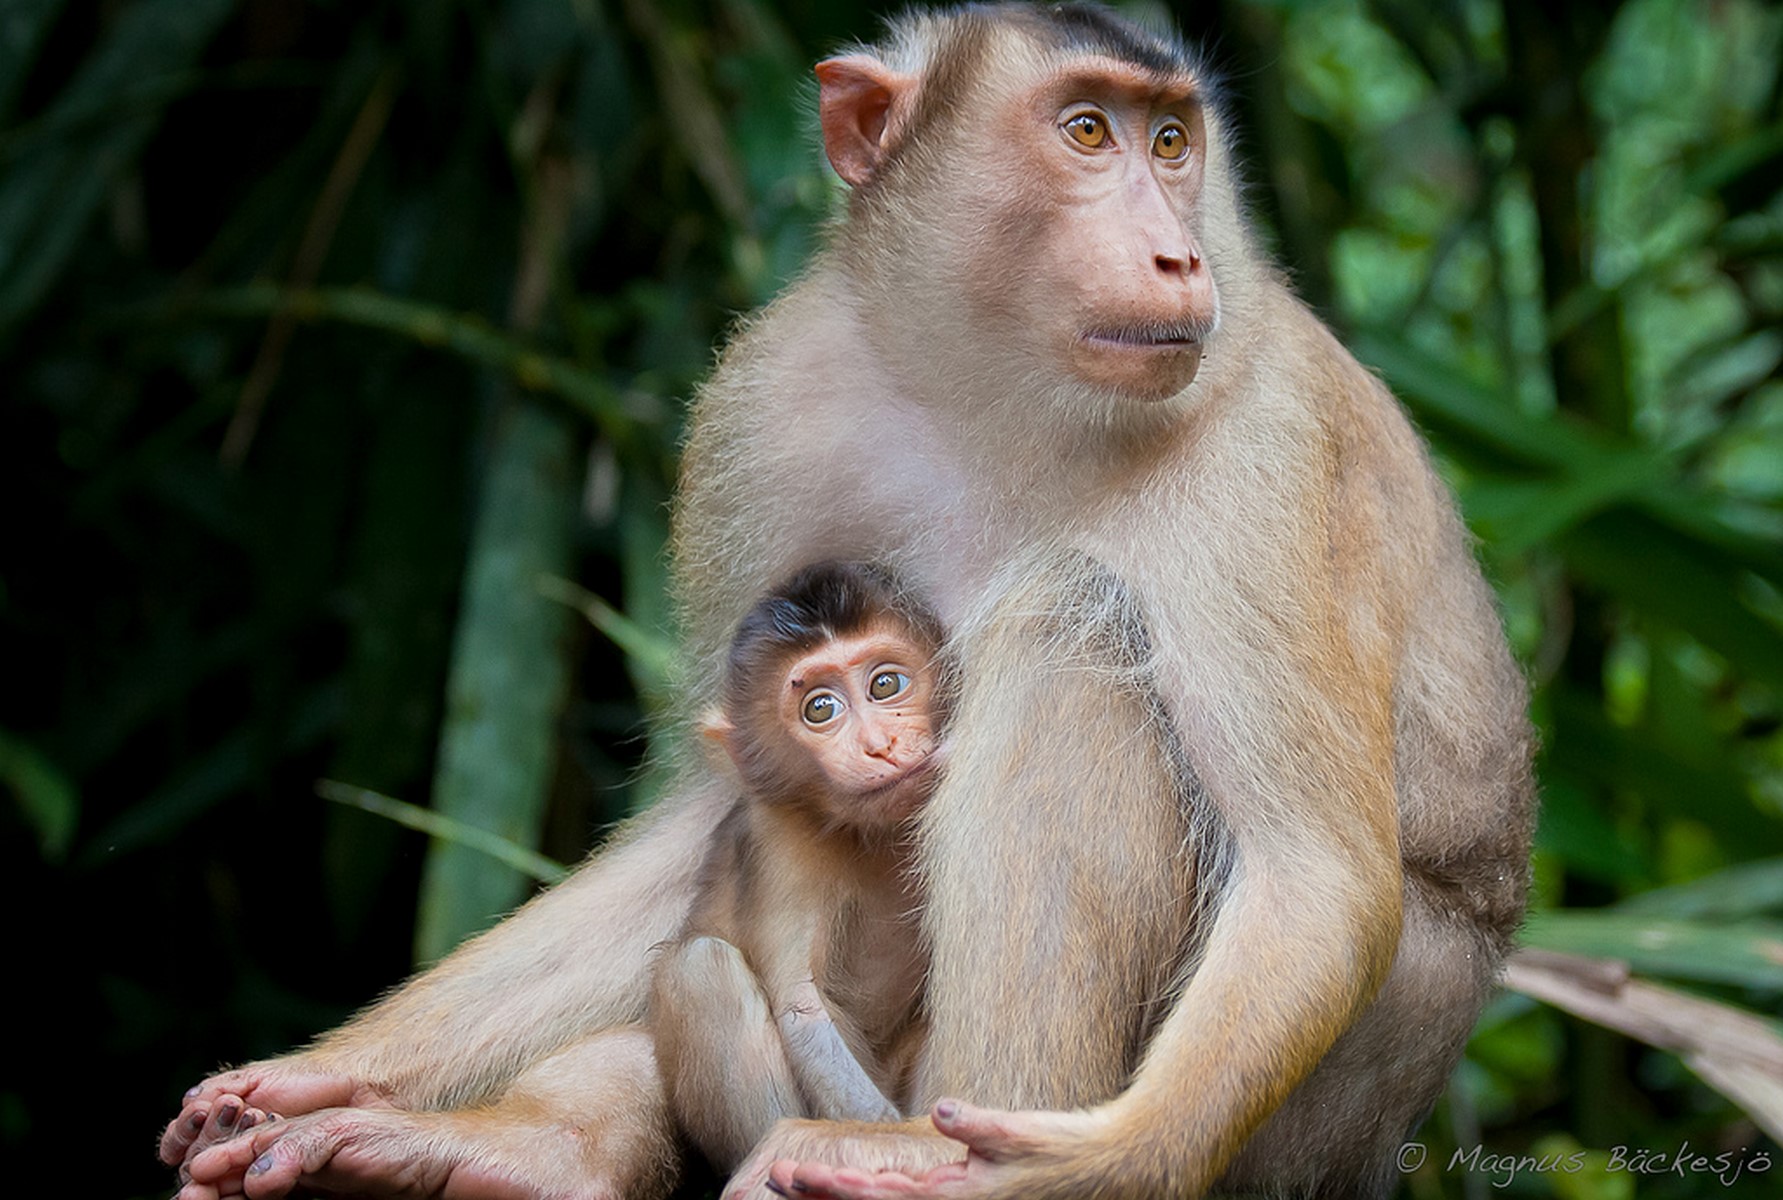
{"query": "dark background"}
pixel 343 353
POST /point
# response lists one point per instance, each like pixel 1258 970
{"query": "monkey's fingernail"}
pixel 777 1189
pixel 227 1114
pixel 195 1122
pixel 192 1091
pixel 947 1110
pixel 262 1165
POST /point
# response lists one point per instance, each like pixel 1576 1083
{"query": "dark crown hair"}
pixel 823 601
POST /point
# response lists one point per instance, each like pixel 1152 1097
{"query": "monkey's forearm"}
pixel 1229 1054
pixel 832 1079
pixel 574 960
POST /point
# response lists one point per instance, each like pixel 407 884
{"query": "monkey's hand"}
pixel 216 1109
pixel 1008 1154
pixel 909 1146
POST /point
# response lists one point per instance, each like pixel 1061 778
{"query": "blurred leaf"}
pixel 1586 1174
pixel 47 798
pixel 445 829
pixel 1729 161
pixel 1681 582
pixel 1676 780
pixel 429 325
pixel 23 24
pixel 1747 953
pixel 48 197
pixel 1575 826
pixel 1604 470
pixel 1735 892
pixel 652 656
pixel 1519 514
pixel 694 118
pixel 229 768
pixel 509 675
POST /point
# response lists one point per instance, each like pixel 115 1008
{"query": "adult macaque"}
pixel 793 990
pixel 1234 827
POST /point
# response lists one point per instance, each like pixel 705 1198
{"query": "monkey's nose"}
pixel 1177 264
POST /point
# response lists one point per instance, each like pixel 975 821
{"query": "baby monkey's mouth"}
pixel 910 773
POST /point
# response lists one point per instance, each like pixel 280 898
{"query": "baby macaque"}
pixel 794 988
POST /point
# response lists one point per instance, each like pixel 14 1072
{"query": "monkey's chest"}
pixel 874 972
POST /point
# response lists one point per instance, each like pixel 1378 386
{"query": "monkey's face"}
pixel 1114 267
pixel 1028 215
pixel 1084 196
pixel 862 708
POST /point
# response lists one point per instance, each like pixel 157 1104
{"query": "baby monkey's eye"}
pixel 821 708
pixel 1171 142
pixel 887 684
pixel 1088 129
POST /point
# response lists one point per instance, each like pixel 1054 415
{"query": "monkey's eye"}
pixel 1088 129
pixel 821 708
pixel 1171 142
pixel 887 684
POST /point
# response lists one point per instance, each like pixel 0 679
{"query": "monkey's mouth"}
pixel 1187 336
pixel 905 776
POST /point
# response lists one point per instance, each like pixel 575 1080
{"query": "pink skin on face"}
pixel 862 706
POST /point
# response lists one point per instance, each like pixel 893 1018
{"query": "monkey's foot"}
pixel 231 1101
pixel 387 1153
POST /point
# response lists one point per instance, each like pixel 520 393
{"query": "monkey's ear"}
pixel 719 733
pixel 862 102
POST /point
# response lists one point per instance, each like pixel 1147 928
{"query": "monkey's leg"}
pixel 1339 1133
pixel 723 1060
pixel 588 1122
pixel 571 962
pixel 1058 852
pixel 829 1074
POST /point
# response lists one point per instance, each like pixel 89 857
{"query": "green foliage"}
pixel 345 349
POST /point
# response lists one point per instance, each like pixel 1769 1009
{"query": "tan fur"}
pixel 797 930
pixel 1236 828
pixel 792 992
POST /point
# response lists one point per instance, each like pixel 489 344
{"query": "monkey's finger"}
pixel 224 1120
pixel 998 1136
pixel 291 1156
pixel 238 1081
pixel 182 1131
pixel 817 1181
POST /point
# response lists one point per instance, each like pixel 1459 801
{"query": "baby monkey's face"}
pixel 863 707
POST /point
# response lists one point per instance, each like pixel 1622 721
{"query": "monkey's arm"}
pixel 832 1079
pixel 1287 727
pixel 587 1120
pixel 572 961
pixel 1318 921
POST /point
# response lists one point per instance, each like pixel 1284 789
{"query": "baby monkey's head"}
pixel 833 697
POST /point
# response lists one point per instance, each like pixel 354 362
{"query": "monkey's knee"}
pixel 709 975
pixel 719 1048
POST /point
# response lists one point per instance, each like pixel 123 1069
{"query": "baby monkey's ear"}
pixel 720 737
